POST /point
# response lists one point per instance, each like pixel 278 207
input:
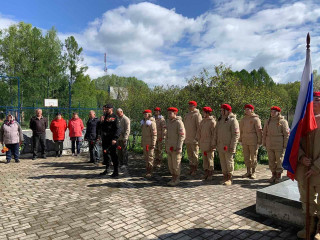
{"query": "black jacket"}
pixel 38 126
pixel 92 128
pixel 109 129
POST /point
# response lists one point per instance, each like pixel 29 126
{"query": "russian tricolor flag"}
pixel 304 120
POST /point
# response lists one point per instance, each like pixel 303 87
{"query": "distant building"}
pixel 118 93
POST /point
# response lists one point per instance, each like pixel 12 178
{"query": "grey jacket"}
pixel 124 123
pixel 11 134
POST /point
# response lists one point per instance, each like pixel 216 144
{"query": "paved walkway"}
pixel 64 198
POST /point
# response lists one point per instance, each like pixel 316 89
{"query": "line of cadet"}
pixel 221 135
pixel 203 132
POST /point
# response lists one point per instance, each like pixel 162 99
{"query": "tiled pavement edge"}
pixel 65 198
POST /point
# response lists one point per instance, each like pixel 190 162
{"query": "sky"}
pixel 169 41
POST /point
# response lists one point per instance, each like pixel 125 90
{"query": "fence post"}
pixel 19 102
pixel 134 139
pixel 70 99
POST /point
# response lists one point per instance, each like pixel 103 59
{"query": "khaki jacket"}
pixel 314 155
pixel 192 122
pixel 276 133
pixel 124 123
pixel 161 127
pixel 175 133
pixel 149 132
pixel 205 133
pixel 227 134
pixel 250 130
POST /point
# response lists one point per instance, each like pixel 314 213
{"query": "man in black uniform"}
pixel 110 131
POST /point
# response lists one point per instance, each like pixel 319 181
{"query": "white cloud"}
pixel 236 8
pixel 160 46
pixel 148 41
pixel 267 38
pixel 6 21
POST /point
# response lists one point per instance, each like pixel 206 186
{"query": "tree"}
pixel 37 59
pixel 84 92
pixel 73 58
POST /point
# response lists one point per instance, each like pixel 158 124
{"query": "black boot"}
pixel 114 174
pixel 57 153
pixel 107 171
pixel 60 153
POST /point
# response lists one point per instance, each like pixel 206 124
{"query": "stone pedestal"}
pixel 281 201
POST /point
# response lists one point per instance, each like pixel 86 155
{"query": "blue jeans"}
pixel 13 150
pixel 94 152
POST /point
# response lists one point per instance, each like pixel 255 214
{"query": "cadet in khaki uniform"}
pixel 205 137
pixel 251 138
pixel 275 138
pixel 302 173
pixel 148 140
pixel 161 135
pixel 225 140
pixel 174 141
pixel 192 122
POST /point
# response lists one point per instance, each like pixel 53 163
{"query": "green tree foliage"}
pixel 223 86
pixel 255 78
pixel 102 83
pixel 316 80
pixel 73 58
pixel 35 58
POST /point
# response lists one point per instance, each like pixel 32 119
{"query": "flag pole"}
pixel 308 168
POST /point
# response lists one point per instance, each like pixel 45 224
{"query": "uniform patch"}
pixel 181 131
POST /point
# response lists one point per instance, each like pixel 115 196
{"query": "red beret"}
pixel 194 103
pixel 147 111
pixel 172 109
pixel 316 94
pixel 226 107
pixel 207 109
pixel 276 108
pixel 249 106
pixel 157 109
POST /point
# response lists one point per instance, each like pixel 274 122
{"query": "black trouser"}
pixel 94 152
pixel 74 142
pixel 36 138
pixel 58 144
pixel 110 150
pixel 123 153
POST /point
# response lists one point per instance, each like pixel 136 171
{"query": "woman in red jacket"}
pixel 75 132
pixel 58 128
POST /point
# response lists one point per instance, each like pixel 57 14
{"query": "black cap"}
pixel 109 105
pixel 57 114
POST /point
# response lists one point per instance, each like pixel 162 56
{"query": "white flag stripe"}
pixel 305 79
